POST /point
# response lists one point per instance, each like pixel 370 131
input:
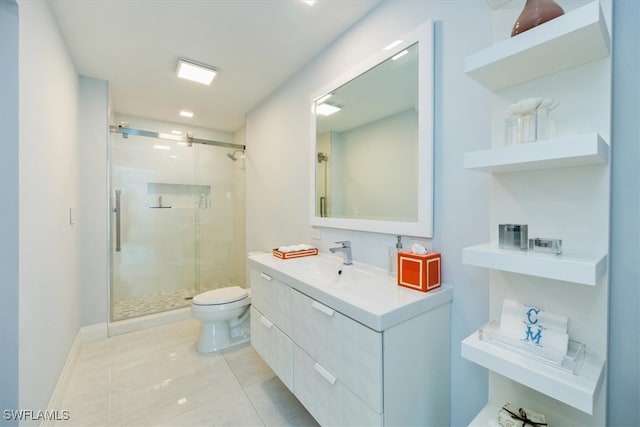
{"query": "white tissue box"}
pixel 419 271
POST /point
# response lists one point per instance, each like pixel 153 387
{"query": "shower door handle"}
pixel 117 211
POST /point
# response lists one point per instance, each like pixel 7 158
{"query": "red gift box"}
pixel 419 271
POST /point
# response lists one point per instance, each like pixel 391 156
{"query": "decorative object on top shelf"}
pixel 530 120
pixel 536 12
pixel 513 236
pixel 539 244
pixel 509 416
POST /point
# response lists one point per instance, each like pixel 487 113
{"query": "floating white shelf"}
pixel 579 391
pixel 487 417
pixel 573 39
pixel 585 270
pixel 578 150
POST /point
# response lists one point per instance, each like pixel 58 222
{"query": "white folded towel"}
pixel 294 248
pixel 551 344
pixel 513 311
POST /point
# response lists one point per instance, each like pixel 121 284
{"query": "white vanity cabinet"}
pixel 346 372
pixel 270 325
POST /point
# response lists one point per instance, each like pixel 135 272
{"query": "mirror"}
pixel 372 143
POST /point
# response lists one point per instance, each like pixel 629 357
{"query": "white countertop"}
pixel 364 293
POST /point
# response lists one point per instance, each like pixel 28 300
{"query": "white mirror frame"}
pixel 423 227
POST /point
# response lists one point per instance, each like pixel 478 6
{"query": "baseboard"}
pixel 95 332
pixel 89 333
pixel 144 322
pixel 55 403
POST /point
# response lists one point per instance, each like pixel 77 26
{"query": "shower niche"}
pixel 178 196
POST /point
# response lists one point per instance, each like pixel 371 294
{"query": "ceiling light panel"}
pixel 186 113
pixel 195 72
pixel 326 109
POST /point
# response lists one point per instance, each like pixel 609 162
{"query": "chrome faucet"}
pixel 345 246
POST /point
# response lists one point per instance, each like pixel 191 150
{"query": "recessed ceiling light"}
pixel 176 132
pixel 161 147
pixel 392 45
pixel 309 2
pixel 186 113
pixel 400 55
pixel 195 72
pixel 327 109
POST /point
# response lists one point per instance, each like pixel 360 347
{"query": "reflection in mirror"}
pixel 372 142
pixel 367 144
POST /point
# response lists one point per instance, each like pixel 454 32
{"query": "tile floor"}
pixel 154 377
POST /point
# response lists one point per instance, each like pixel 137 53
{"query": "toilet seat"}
pixel 221 296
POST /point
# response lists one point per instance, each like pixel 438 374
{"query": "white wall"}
pixel 9 214
pixel 277 177
pixel 92 213
pixel 49 293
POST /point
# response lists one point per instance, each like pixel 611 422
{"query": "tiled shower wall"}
pixel 179 232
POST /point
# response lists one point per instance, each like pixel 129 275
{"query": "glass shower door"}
pixel 153 244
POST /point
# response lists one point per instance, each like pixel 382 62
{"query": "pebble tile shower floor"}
pixel 155 303
pixel 154 377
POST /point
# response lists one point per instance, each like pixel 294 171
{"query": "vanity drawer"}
pixel 272 298
pixel 343 346
pixel 275 347
pixel 325 396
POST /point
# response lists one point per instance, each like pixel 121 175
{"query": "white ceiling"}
pixel 255 45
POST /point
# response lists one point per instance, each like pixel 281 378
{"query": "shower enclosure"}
pixel 177 220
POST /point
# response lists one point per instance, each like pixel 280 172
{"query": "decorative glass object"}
pixel 536 12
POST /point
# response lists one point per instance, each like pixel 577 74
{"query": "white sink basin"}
pixel 326 270
pixel 365 293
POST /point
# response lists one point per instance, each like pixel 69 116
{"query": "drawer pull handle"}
pixel 322 308
pixel 325 374
pixel 265 276
pixel 266 322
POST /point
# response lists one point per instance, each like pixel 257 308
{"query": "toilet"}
pixel 224 317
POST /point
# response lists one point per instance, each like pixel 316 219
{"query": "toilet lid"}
pixel 221 296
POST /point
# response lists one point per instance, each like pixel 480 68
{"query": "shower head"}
pixel 233 157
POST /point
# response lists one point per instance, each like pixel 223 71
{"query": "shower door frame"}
pixel 112 209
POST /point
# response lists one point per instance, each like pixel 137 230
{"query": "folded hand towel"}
pixel 513 310
pixel 546 340
pixel 295 248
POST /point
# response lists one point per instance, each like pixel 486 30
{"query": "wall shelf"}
pixel 543 50
pixel 583 269
pixel 579 391
pixel 578 150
